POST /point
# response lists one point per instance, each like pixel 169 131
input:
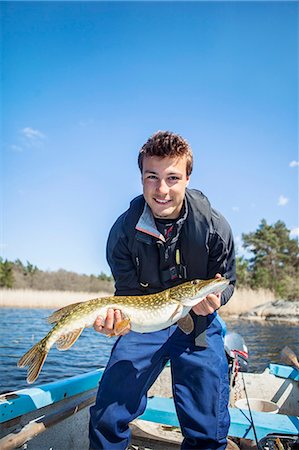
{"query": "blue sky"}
pixel 84 85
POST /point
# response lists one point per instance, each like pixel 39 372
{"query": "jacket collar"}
pixel 146 223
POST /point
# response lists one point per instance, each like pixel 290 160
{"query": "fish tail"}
pixel 34 359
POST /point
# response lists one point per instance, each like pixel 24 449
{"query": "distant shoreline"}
pixel 29 298
pixel 247 304
pixel 243 300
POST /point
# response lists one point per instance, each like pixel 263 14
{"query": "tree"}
pixel 18 263
pixel 6 273
pixel 275 261
pixel 243 274
pixel 29 271
pixel 104 277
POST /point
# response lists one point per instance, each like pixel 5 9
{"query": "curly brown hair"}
pixel 166 143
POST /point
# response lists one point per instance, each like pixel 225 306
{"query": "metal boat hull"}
pixel 55 415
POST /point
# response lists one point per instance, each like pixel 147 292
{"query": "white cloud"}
pixel 30 133
pixel 32 137
pixel 238 243
pixel 282 200
pixel 16 148
pixel 236 208
pixel 238 240
pixel 294 163
pixel 240 250
pixel 295 232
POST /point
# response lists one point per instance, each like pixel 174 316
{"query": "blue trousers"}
pixel 200 387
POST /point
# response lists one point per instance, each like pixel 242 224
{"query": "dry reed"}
pixel 245 300
pixel 242 301
pixel 28 298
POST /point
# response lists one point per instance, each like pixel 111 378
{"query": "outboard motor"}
pixel 237 357
pixel 236 352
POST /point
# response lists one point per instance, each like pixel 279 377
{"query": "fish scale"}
pixel 144 314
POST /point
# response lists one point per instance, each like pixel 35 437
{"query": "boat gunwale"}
pixel 23 401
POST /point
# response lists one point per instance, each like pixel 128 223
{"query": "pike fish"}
pixel 145 314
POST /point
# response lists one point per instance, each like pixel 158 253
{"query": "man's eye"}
pixel 151 177
pixel 173 178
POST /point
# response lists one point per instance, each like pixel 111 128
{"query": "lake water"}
pixel 21 328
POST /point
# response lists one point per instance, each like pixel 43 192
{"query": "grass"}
pixel 242 301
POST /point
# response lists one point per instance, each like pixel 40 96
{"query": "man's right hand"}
pixel 106 326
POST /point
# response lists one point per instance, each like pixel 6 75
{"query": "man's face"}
pixel 164 184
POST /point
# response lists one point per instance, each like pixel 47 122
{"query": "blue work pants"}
pixel 200 387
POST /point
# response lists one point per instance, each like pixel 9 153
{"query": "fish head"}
pixel 192 292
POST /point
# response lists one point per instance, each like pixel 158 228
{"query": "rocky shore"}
pixel 279 310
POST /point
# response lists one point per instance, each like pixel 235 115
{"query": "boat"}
pixel 55 415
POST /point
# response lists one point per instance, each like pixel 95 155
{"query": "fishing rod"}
pixel 250 413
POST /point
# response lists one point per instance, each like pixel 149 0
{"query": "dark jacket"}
pixel 143 263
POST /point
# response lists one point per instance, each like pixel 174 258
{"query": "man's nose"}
pixel 162 187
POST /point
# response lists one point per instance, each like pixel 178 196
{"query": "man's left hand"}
pixel 209 304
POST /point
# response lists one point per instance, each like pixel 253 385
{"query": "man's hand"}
pixel 107 326
pixel 209 304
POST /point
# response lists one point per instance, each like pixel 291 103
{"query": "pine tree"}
pixel 275 261
pixel 6 273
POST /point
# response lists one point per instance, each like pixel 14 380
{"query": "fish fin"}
pixel 176 313
pixel 67 340
pixel 34 358
pixel 186 324
pixel 62 312
pixel 121 326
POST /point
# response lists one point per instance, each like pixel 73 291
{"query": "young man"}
pixel 169 235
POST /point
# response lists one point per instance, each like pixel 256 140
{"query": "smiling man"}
pixel 169 234
pixel 164 184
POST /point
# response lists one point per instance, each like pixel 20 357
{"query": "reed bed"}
pixel 242 301
pixel 29 298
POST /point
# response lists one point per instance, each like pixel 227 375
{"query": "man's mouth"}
pixel 161 201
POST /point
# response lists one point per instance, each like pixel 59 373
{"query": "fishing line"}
pixel 250 413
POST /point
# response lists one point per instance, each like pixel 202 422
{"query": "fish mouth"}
pixel 216 286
